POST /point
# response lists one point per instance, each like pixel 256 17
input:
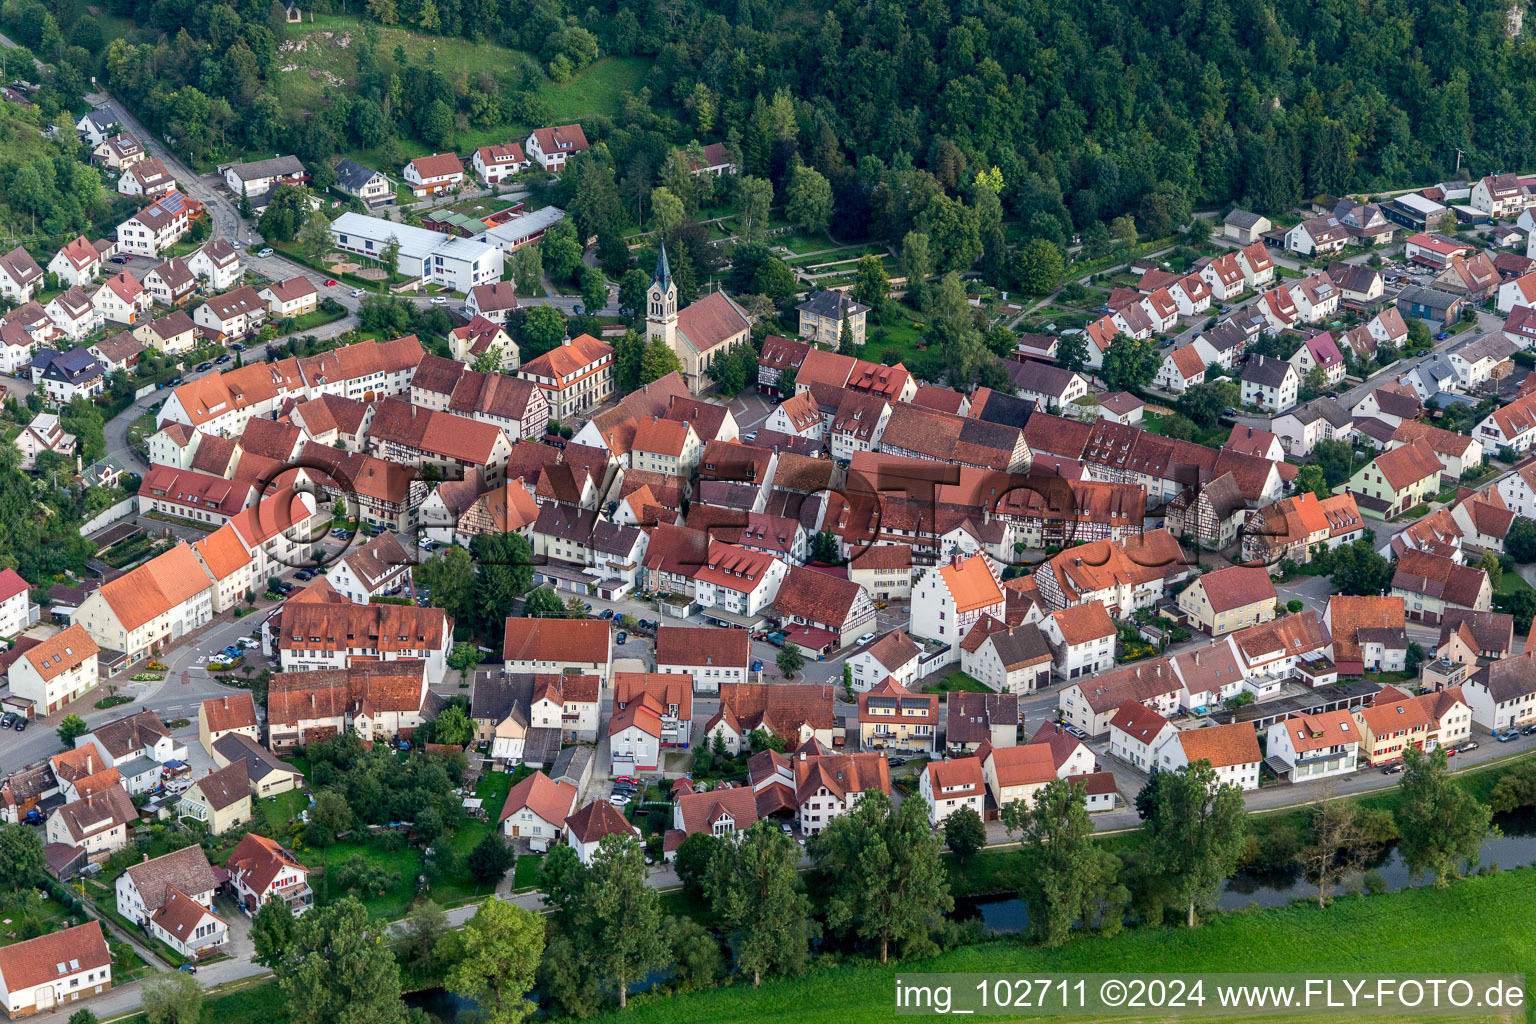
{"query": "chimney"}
pixel 145 860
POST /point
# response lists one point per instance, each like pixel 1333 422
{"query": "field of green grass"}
pixel 957 682
pixel 526 874
pixel 1211 437
pixel 322 55
pixel 1467 927
pixel 256 1002
pixel 1511 583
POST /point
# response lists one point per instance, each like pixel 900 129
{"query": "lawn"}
pixel 1210 437
pixel 253 1002
pixel 407 863
pixel 280 811
pixel 394 901
pixel 1511 583
pixel 526 874
pixel 597 91
pixel 957 682
pixel 316 318
pixel 900 332
pixel 1468 927
pixel 322 55
pixel 23 917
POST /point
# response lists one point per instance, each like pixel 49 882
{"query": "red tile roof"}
pixel 550 800
pixel 703 645
pixel 261 860
pixel 582 640
pixel 40 961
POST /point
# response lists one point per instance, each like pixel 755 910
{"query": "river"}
pixel 1516 847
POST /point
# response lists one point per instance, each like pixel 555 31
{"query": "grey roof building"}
pixel 833 305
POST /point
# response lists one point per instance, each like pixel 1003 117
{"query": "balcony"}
pixel 298 898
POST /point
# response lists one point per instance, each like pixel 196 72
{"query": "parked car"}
pixel 439 300
pixel 866 638
pixel 21 725
pixel 1392 769
pixel 304 574
pixel 7 720
pixel 237 347
pixel 1505 735
pixel 1450 751
pixel 1073 730
pixel 356 292
pixel 1442 335
pixel 1468 745
pixel 627 780
pixel 1526 730
pixel 784 827
pixel 249 642
pixel 223 359
pixel 757 664
pixel 621 638
pixel 331 283
pixel 896 762
pixel 607 613
pixel 619 799
pixel 201 367
pixel 264 251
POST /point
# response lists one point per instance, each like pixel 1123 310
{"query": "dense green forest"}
pixel 1088 111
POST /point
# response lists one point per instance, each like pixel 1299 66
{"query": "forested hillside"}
pixel 1090 111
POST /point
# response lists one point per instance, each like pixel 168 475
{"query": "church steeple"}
pixel 661 303
pixel 663 276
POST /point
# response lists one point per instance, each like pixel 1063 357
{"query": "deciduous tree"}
pixel 885 876
pixel 70 727
pixel 272 932
pixel 491 859
pixel 789 659
pixel 1038 267
pixel 1129 363
pixel 172 999
pixel 871 284
pixel 1442 826
pixel 964 833
pixel 808 200
pixel 1339 845
pixel 339 968
pixel 1193 828
pixel 754 887
pixel 754 198
pixel 1070 880
pixel 21 852
pixel 544 603
pixel 498 960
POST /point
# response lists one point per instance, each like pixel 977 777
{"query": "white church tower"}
pixel 661 303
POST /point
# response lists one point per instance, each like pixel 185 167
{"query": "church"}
pixel 707 328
